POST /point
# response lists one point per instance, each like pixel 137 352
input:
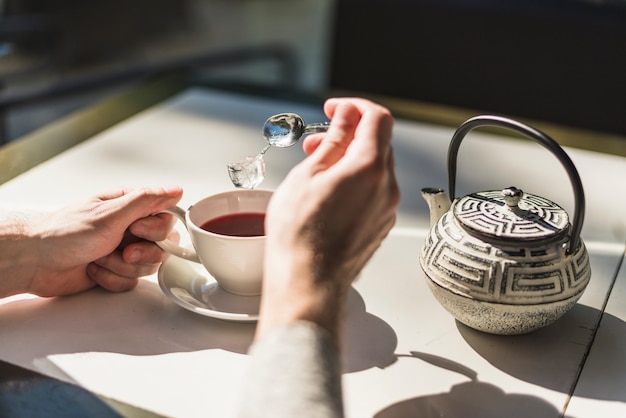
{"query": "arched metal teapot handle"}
pixel 543 139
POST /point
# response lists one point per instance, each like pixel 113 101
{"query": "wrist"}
pixel 18 260
pixel 292 293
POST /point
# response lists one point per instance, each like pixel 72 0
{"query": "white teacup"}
pixel 233 259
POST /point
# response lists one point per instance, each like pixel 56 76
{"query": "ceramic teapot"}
pixel 505 261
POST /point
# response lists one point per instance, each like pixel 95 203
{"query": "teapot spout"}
pixel 438 203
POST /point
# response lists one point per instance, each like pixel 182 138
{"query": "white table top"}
pixel 404 353
pixel 601 390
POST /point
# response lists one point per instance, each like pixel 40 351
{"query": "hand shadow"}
pixel 468 399
pixel 368 341
pixel 545 356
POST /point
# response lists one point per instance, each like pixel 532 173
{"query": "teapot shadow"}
pixel 461 401
pixel 544 356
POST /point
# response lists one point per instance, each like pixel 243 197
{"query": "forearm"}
pixel 294 371
pixel 17 258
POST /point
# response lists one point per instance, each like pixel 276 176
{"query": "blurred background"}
pixel 59 56
pixel 559 61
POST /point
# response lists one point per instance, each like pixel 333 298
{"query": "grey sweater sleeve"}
pixel 294 372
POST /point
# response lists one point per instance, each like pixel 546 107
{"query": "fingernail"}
pixel 91 269
pixel 134 256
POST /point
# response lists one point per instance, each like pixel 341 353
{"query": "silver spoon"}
pixel 282 130
pixel 285 129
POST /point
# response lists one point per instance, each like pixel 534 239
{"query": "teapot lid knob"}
pixel 512 196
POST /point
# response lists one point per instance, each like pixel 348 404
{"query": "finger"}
pixel 375 118
pixel 127 240
pixel 393 187
pixel 143 252
pixel 116 264
pixel 311 142
pixel 345 118
pixel 153 228
pixel 363 105
pixel 109 280
pixel 142 202
pixel 113 194
pixel 374 133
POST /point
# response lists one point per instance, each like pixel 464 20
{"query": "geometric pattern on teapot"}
pixel 535 217
pixel 521 275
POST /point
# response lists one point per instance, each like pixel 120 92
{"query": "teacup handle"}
pixel 543 139
pixel 173 248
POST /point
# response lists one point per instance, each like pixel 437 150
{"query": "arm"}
pixel 328 218
pixel 105 240
pixel 16 260
pixel 323 224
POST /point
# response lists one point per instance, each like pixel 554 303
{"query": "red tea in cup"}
pixel 243 224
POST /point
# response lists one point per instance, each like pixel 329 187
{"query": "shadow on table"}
pixel 140 322
pixel 368 341
pixel 145 322
pixel 472 399
pixel 545 357
pixel 468 399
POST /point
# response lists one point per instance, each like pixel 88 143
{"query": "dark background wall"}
pixel 77 31
pixel 561 61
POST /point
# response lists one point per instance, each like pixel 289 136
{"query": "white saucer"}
pixel 189 285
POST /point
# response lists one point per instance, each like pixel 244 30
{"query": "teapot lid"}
pixel 511 215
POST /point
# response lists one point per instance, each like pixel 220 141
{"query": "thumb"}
pixel 333 146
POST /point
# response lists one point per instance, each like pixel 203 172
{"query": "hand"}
pixel 106 240
pixel 329 216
